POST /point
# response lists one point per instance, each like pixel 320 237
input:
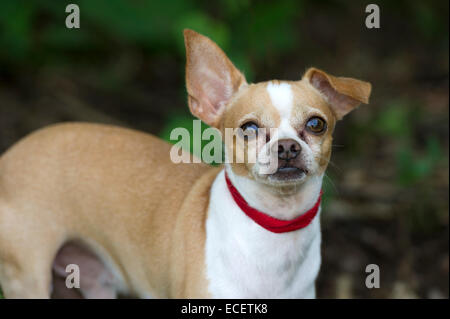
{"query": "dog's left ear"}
pixel 211 78
pixel 343 94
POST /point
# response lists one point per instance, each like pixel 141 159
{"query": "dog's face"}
pixel 292 126
pixel 285 128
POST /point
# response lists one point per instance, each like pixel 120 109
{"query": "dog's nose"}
pixel 288 149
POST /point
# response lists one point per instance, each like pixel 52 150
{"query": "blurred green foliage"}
pixel 396 122
pixel 34 31
pixel 412 168
pixel 187 122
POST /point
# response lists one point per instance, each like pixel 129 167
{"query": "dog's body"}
pixel 107 197
pixel 162 229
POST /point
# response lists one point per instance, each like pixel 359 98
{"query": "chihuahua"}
pixel 111 202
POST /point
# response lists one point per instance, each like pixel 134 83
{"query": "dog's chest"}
pixel 243 260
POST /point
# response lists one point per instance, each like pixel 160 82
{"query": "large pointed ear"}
pixel 211 78
pixel 343 94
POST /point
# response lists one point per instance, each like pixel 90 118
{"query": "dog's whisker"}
pixel 330 162
pixel 331 183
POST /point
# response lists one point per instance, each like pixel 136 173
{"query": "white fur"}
pixel 244 260
pixel 281 97
pixel 283 100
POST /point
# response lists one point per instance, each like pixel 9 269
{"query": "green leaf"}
pixel 16 21
pixel 394 121
pixel 187 122
pixel 412 168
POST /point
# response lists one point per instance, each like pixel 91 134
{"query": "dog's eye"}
pixel 316 125
pixel 250 129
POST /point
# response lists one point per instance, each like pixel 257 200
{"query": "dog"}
pixel 110 200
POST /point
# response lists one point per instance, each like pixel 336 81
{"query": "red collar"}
pixel 268 222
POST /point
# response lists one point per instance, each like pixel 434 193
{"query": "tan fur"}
pixel 113 186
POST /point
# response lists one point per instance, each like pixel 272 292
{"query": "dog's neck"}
pixel 274 201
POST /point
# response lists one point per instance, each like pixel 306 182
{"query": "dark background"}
pixel 386 190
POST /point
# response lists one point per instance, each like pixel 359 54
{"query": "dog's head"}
pixel 288 125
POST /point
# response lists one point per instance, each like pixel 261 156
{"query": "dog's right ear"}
pixel 343 94
pixel 211 78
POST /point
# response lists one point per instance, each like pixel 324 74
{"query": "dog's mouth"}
pixel 289 173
